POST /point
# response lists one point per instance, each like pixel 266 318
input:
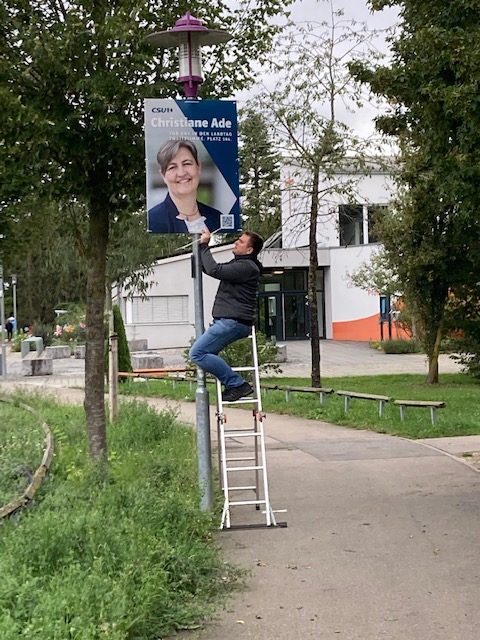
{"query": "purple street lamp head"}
pixel 188 35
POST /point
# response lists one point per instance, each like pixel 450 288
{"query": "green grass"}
pixel 460 417
pixel 21 448
pixel 131 557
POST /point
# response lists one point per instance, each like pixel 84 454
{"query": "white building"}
pixel 345 240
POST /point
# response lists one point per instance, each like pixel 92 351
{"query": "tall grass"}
pixel 127 558
pixel 21 449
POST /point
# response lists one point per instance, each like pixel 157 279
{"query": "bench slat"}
pixel 364 396
pixel 420 403
pixel 308 389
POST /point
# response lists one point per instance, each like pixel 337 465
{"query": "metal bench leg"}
pixel 433 414
pixel 287 396
pixel 381 408
pixel 346 404
pixel 402 413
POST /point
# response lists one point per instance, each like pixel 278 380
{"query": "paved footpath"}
pixel 382 540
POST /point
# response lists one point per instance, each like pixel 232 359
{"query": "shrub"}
pixel 124 359
pixel 468 350
pixel 44 331
pixel 400 346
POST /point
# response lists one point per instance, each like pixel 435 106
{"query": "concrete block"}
pixel 25 345
pixel 140 344
pixel 58 351
pixel 79 352
pixel 281 352
pixel 37 366
pixel 146 361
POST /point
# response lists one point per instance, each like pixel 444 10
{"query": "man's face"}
pixel 242 246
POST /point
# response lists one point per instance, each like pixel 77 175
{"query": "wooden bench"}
pixel 322 392
pixel 433 405
pixel 348 395
pixel 163 372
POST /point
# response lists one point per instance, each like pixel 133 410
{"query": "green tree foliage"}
pixel 39 248
pixel 259 174
pixel 73 76
pixel 432 85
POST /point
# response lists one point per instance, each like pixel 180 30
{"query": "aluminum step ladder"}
pixel 252 463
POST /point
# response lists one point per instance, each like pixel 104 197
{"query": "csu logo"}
pixel 162 110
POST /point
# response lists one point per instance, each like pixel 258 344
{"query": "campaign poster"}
pixel 192 166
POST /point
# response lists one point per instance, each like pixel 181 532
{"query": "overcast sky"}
pixel 319 10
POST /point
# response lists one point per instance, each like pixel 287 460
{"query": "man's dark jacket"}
pixel 237 292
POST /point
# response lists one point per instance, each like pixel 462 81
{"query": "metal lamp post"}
pixel 14 293
pixel 3 361
pixel 189 34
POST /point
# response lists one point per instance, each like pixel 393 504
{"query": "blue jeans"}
pixel 219 334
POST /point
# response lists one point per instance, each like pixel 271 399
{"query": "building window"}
pixel 374 212
pixel 160 309
pixel 350 219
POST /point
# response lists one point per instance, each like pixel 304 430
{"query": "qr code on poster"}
pixel 226 221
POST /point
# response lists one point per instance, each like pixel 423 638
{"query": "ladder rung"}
pixel 232 503
pixel 243 368
pixel 255 468
pixel 238 459
pixel 252 487
pixel 242 401
pixel 241 434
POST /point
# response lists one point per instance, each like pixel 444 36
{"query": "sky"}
pixel 304 11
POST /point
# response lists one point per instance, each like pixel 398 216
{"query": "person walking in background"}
pixel 233 311
pixel 10 326
pixel 181 212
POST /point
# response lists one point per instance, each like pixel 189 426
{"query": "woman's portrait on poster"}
pixel 181 212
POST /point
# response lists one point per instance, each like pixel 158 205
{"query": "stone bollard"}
pixel 146 361
pixel 58 351
pixel 79 352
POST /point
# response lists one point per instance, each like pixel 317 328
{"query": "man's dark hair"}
pixel 255 241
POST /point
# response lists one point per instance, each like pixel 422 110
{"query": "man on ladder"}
pixel 233 310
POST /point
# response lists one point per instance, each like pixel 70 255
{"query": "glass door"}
pixel 295 317
pixel 270 315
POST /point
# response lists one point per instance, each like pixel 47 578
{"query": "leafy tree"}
pixel 310 63
pixel 463 326
pixel 39 248
pixel 432 85
pixel 376 275
pixel 259 174
pixel 73 76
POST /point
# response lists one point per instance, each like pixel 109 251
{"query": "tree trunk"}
pixel 312 282
pixel 432 376
pixel 94 357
